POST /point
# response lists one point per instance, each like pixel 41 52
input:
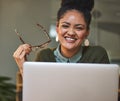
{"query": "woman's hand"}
pixel 20 55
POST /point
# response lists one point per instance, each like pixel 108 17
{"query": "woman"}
pixel 73 21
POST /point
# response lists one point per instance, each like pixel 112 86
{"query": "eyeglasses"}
pixel 36 46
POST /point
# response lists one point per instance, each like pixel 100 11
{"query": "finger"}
pixel 21 48
pixel 22 55
pixel 27 48
pixel 17 53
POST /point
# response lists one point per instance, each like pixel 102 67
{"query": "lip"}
pixel 70 39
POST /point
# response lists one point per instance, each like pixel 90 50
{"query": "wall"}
pixel 23 15
pixel 20 14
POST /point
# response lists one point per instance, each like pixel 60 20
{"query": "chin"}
pixel 70 47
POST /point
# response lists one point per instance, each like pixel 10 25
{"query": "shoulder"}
pixel 95 49
pixel 45 54
pixel 46 50
pixel 96 54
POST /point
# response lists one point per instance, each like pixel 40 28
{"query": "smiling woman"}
pixel 72 27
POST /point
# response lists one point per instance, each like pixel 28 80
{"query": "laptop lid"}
pixel 43 81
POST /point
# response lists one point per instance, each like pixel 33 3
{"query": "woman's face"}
pixel 72 30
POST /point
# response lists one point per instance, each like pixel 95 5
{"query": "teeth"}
pixel 70 39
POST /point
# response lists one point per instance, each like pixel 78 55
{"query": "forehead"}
pixel 73 16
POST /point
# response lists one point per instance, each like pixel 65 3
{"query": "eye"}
pixel 79 28
pixel 65 26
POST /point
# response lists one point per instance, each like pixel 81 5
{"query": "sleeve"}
pixel 101 55
pixel 45 55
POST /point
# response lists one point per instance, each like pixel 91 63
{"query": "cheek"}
pixel 61 31
pixel 81 35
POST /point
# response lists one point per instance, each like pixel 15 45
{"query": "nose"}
pixel 71 31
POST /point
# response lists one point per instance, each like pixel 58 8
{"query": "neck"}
pixel 68 53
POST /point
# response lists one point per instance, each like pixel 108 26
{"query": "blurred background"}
pixel 23 15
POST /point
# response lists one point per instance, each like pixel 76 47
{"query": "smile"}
pixel 70 39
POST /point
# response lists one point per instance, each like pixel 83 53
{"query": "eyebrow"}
pixel 75 24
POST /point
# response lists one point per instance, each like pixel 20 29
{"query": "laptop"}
pixel 46 81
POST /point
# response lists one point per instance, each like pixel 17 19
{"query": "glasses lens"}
pixel 36 35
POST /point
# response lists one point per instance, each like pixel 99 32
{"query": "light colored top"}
pixel 60 58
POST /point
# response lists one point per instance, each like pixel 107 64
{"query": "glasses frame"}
pixel 37 46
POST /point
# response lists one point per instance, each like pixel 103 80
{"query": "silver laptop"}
pixel 43 81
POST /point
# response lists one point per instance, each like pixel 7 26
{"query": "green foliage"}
pixel 7 90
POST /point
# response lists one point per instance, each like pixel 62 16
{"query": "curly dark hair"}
pixel 83 6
